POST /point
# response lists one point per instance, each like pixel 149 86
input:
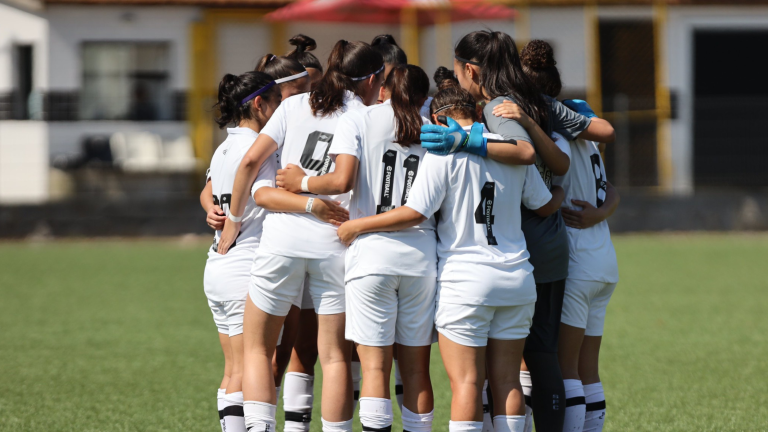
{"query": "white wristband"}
pixel 234 218
pixel 305 184
pixel 308 208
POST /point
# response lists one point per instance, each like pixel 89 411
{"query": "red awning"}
pixel 389 11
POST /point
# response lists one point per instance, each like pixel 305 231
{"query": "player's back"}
pixel 224 164
pixel 592 256
pixel 386 173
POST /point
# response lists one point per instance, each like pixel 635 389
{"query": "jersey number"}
pixel 600 184
pixel 411 165
pixel 225 199
pixel 484 211
pixel 323 165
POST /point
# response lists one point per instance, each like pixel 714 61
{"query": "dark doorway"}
pixel 730 144
pixel 627 73
pixel 22 81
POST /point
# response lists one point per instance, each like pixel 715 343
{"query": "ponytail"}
pixel 233 90
pixel 501 73
pixel 389 49
pixel 409 86
pixel 303 45
pixel 348 65
pixel 539 65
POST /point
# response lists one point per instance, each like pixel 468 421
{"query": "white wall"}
pixel 682 21
pixel 66 137
pixel 70 25
pixel 564 29
pixel 23 162
pixel 20 27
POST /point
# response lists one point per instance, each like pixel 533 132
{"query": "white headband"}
pixel 291 78
pixel 369 75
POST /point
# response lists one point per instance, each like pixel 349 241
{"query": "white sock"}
pixel 343 426
pixel 525 381
pixel 515 423
pixel 376 413
pixel 298 396
pixel 595 416
pixel 220 406
pixel 574 406
pixel 398 387
pixel 355 384
pixel 413 422
pixel 487 422
pixel 234 420
pixel 260 416
pixel 465 426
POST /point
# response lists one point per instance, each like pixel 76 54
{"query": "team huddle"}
pixel 359 220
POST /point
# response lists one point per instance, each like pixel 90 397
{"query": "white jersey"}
pixel 384 178
pixel 591 252
pixel 303 139
pixel 224 164
pixel 480 241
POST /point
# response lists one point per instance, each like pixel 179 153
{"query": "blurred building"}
pixel 114 97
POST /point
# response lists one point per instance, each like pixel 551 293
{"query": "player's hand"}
pixel 215 218
pixel 289 178
pixel 330 211
pixel 587 217
pixel 228 236
pixel 511 110
pixel 580 106
pixel 347 232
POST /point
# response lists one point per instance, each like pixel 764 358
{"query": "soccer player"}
pixel 390 276
pixel 593 269
pixel 246 101
pixel 297 245
pixel 486 291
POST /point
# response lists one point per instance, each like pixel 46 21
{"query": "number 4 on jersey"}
pixel 484 211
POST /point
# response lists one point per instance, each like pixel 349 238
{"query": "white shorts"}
pixel 276 283
pixel 227 277
pixel 228 316
pixel 384 309
pixel 473 325
pixel 584 305
pixel 306 299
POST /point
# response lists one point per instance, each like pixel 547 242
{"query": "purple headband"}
pixel 257 93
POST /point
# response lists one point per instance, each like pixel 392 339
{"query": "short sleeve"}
pixel 535 192
pixel 266 176
pixel 347 139
pixel 562 144
pixel 429 188
pixel 277 124
pixel 507 128
pixel 565 121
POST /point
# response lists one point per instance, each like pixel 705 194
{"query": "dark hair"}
pixel 538 61
pixel 461 103
pixel 233 89
pixel 304 44
pixel 389 49
pixel 347 60
pixel 279 66
pixel 409 86
pixel 445 78
pixel 501 73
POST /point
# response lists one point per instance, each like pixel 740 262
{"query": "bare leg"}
pixel 283 351
pixel 504 377
pixel 236 379
pixel 417 386
pixel 226 348
pixel 261 331
pixel 377 366
pixel 588 359
pixel 568 351
pixel 304 354
pixel 334 352
pixel 466 371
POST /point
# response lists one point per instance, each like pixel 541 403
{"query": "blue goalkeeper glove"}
pixel 446 140
pixel 580 106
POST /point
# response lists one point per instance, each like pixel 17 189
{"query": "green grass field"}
pixel 117 336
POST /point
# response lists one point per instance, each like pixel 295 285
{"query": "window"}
pixel 126 81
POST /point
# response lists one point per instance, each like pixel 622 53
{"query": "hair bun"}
pixel 384 39
pixel 538 55
pixel 303 43
pixel 444 78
